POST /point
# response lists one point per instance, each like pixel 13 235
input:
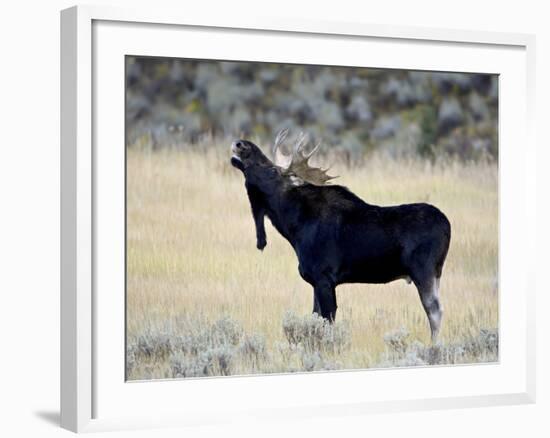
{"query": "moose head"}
pixel 293 168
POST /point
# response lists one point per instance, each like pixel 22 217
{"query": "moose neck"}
pixel 265 179
pixel 268 193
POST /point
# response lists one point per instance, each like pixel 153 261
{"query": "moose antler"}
pixel 297 164
pixel 282 160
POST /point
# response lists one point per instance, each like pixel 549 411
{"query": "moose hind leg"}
pixel 428 290
pixel 325 301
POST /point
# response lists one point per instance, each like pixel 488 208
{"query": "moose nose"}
pixel 236 147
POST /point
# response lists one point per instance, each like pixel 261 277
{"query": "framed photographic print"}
pixel 264 208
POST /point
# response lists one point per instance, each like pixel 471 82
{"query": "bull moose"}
pixel 338 238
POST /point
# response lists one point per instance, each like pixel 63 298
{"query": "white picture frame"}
pixel 90 40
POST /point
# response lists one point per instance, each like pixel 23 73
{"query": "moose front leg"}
pixel 258 212
pixel 261 240
pixel 325 301
pixel 316 307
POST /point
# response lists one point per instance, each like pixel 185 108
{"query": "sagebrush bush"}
pixel 203 349
pixel 199 348
pixel 404 352
pixel 211 362
pixel 189 366
pixel 397 340
pixel 314 361
pixel 222 348
pixel 315 333
pixel 253 346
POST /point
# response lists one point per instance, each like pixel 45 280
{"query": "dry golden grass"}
pixel 191 251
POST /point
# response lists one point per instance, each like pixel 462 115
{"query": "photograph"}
pixel 292 218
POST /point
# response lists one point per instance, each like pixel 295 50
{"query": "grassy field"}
pixel 202 300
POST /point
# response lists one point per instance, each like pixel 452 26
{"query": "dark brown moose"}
pixel 338 238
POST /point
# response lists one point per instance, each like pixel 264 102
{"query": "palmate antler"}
pixel 297 164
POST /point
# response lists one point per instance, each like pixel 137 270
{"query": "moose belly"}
pixel 372 270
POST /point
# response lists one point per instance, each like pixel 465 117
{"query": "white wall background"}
pixel 29 215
